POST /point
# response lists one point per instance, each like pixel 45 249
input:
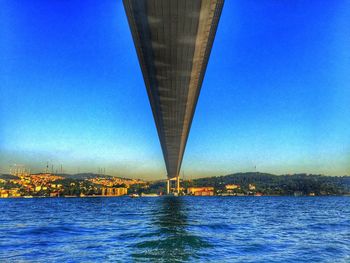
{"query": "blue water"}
pixel 170 229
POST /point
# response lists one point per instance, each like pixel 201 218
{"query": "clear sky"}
pixel 276 94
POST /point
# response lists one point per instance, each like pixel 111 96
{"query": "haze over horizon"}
pixel 276 95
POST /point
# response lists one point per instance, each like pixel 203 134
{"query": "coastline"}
pixel 121 196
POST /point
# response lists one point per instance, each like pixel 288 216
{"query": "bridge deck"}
pixel 173 39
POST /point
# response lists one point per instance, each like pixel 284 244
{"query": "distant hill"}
pixel 83 176
pixel 8 176
pixel 78 176
pixel 280 184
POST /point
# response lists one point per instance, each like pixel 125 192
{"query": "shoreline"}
pixel 231 196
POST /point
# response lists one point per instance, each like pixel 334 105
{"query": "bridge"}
pixel 173 41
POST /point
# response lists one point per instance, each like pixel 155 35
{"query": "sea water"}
pixel 175 229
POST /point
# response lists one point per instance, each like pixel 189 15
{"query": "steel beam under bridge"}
pixel 173 40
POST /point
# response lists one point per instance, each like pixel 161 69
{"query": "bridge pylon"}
pixel 170 186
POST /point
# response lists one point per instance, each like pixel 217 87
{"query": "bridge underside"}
pixel 173 39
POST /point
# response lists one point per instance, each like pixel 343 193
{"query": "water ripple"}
pixel 169 229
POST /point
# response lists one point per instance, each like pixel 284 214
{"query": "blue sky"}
pixel 276 93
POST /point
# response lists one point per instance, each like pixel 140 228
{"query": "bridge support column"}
pixel 167 186
pixel 178 184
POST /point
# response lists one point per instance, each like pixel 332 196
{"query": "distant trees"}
pixel 280 184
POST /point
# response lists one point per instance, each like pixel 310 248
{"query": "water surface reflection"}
pixel 171 241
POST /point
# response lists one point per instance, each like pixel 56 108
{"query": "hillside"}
pixel 83 176
pixel 8 176
pixel 280 184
